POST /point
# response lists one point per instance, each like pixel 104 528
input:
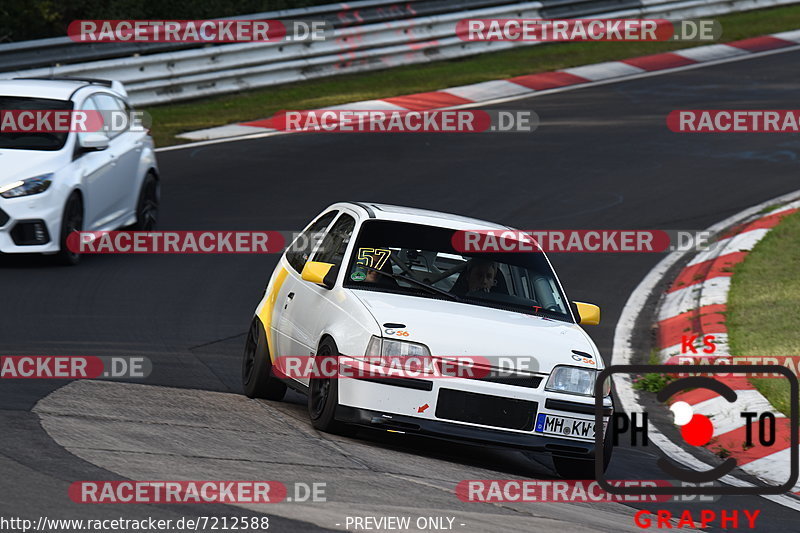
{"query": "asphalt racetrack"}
pixel 601 158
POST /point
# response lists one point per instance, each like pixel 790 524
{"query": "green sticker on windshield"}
pixel 358 276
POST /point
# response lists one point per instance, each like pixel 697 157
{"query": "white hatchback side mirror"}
pixel 93 142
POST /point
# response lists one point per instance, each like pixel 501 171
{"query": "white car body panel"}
pixel 351 317
pixel 108 180
pixel 459 329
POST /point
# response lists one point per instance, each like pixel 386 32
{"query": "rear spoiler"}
pixel 114 85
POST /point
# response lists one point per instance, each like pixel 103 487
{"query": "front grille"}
pixel 519 380
pixel 486 410
pixel 575 407
pixel 3 218
pixel 30 232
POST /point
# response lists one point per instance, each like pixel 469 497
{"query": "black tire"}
pixel 571 468
pixel 148 204
pixel 257 378
pixel 323 395
pixel 71 220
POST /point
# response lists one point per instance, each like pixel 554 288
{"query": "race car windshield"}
pixel 420 260
pixel 23 140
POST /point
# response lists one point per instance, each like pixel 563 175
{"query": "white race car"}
pixel 368 283
pixel 54 183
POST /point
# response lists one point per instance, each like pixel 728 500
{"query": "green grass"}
pixel 769 209
pixel 764 304
pixel 169 120
pixel 652 382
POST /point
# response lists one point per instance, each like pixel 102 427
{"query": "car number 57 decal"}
pixel 373 257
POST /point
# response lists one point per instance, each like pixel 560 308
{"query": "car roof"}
pixel 422 216
pixel 55 89
pixel 52 89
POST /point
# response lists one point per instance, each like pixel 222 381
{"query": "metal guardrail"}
pixel 63 51
pixel 395 40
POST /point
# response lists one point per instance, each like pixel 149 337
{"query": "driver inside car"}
pixel 479 275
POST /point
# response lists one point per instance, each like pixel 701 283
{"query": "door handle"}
pixel 288 298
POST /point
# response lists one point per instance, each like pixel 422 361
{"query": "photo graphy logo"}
pixel 697 429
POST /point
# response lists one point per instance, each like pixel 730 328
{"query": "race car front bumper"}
pixel 461 433
pixel 476 410
pixel 30 224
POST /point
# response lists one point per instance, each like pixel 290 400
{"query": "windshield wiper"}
pixel 547 313
pixel 422 284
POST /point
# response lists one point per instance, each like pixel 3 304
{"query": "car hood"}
pixel 504 337
pixel 21 164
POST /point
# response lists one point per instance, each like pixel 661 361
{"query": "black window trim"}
pixel 110 134
pixel 353 234
pixel 336 212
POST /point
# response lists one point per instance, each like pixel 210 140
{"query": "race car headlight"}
pixel 26 187
pixel 572 380
pixel 393 352
pixel 373 353
pixel 393 348
pixel 607 387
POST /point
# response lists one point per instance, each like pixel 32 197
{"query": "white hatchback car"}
pixel 328 298
pixel 53 183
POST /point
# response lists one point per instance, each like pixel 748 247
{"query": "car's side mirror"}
pixel 589 314
pixel 93 142
pixel 320 273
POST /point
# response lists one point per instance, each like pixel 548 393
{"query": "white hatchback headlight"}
pixel 574 380
pixel 27 186
pixel 392 352
pixel 393 348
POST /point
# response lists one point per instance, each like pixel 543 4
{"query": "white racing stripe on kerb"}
pixel 787 207
pixel 726 416
pixel 488 89
pixel 773 467
pixel 603 71
pixel 720 341
pixel 231 130
pixel 710 52
pixel 368 105
pixel 712 291
pixel 743 242
pixel 793 35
